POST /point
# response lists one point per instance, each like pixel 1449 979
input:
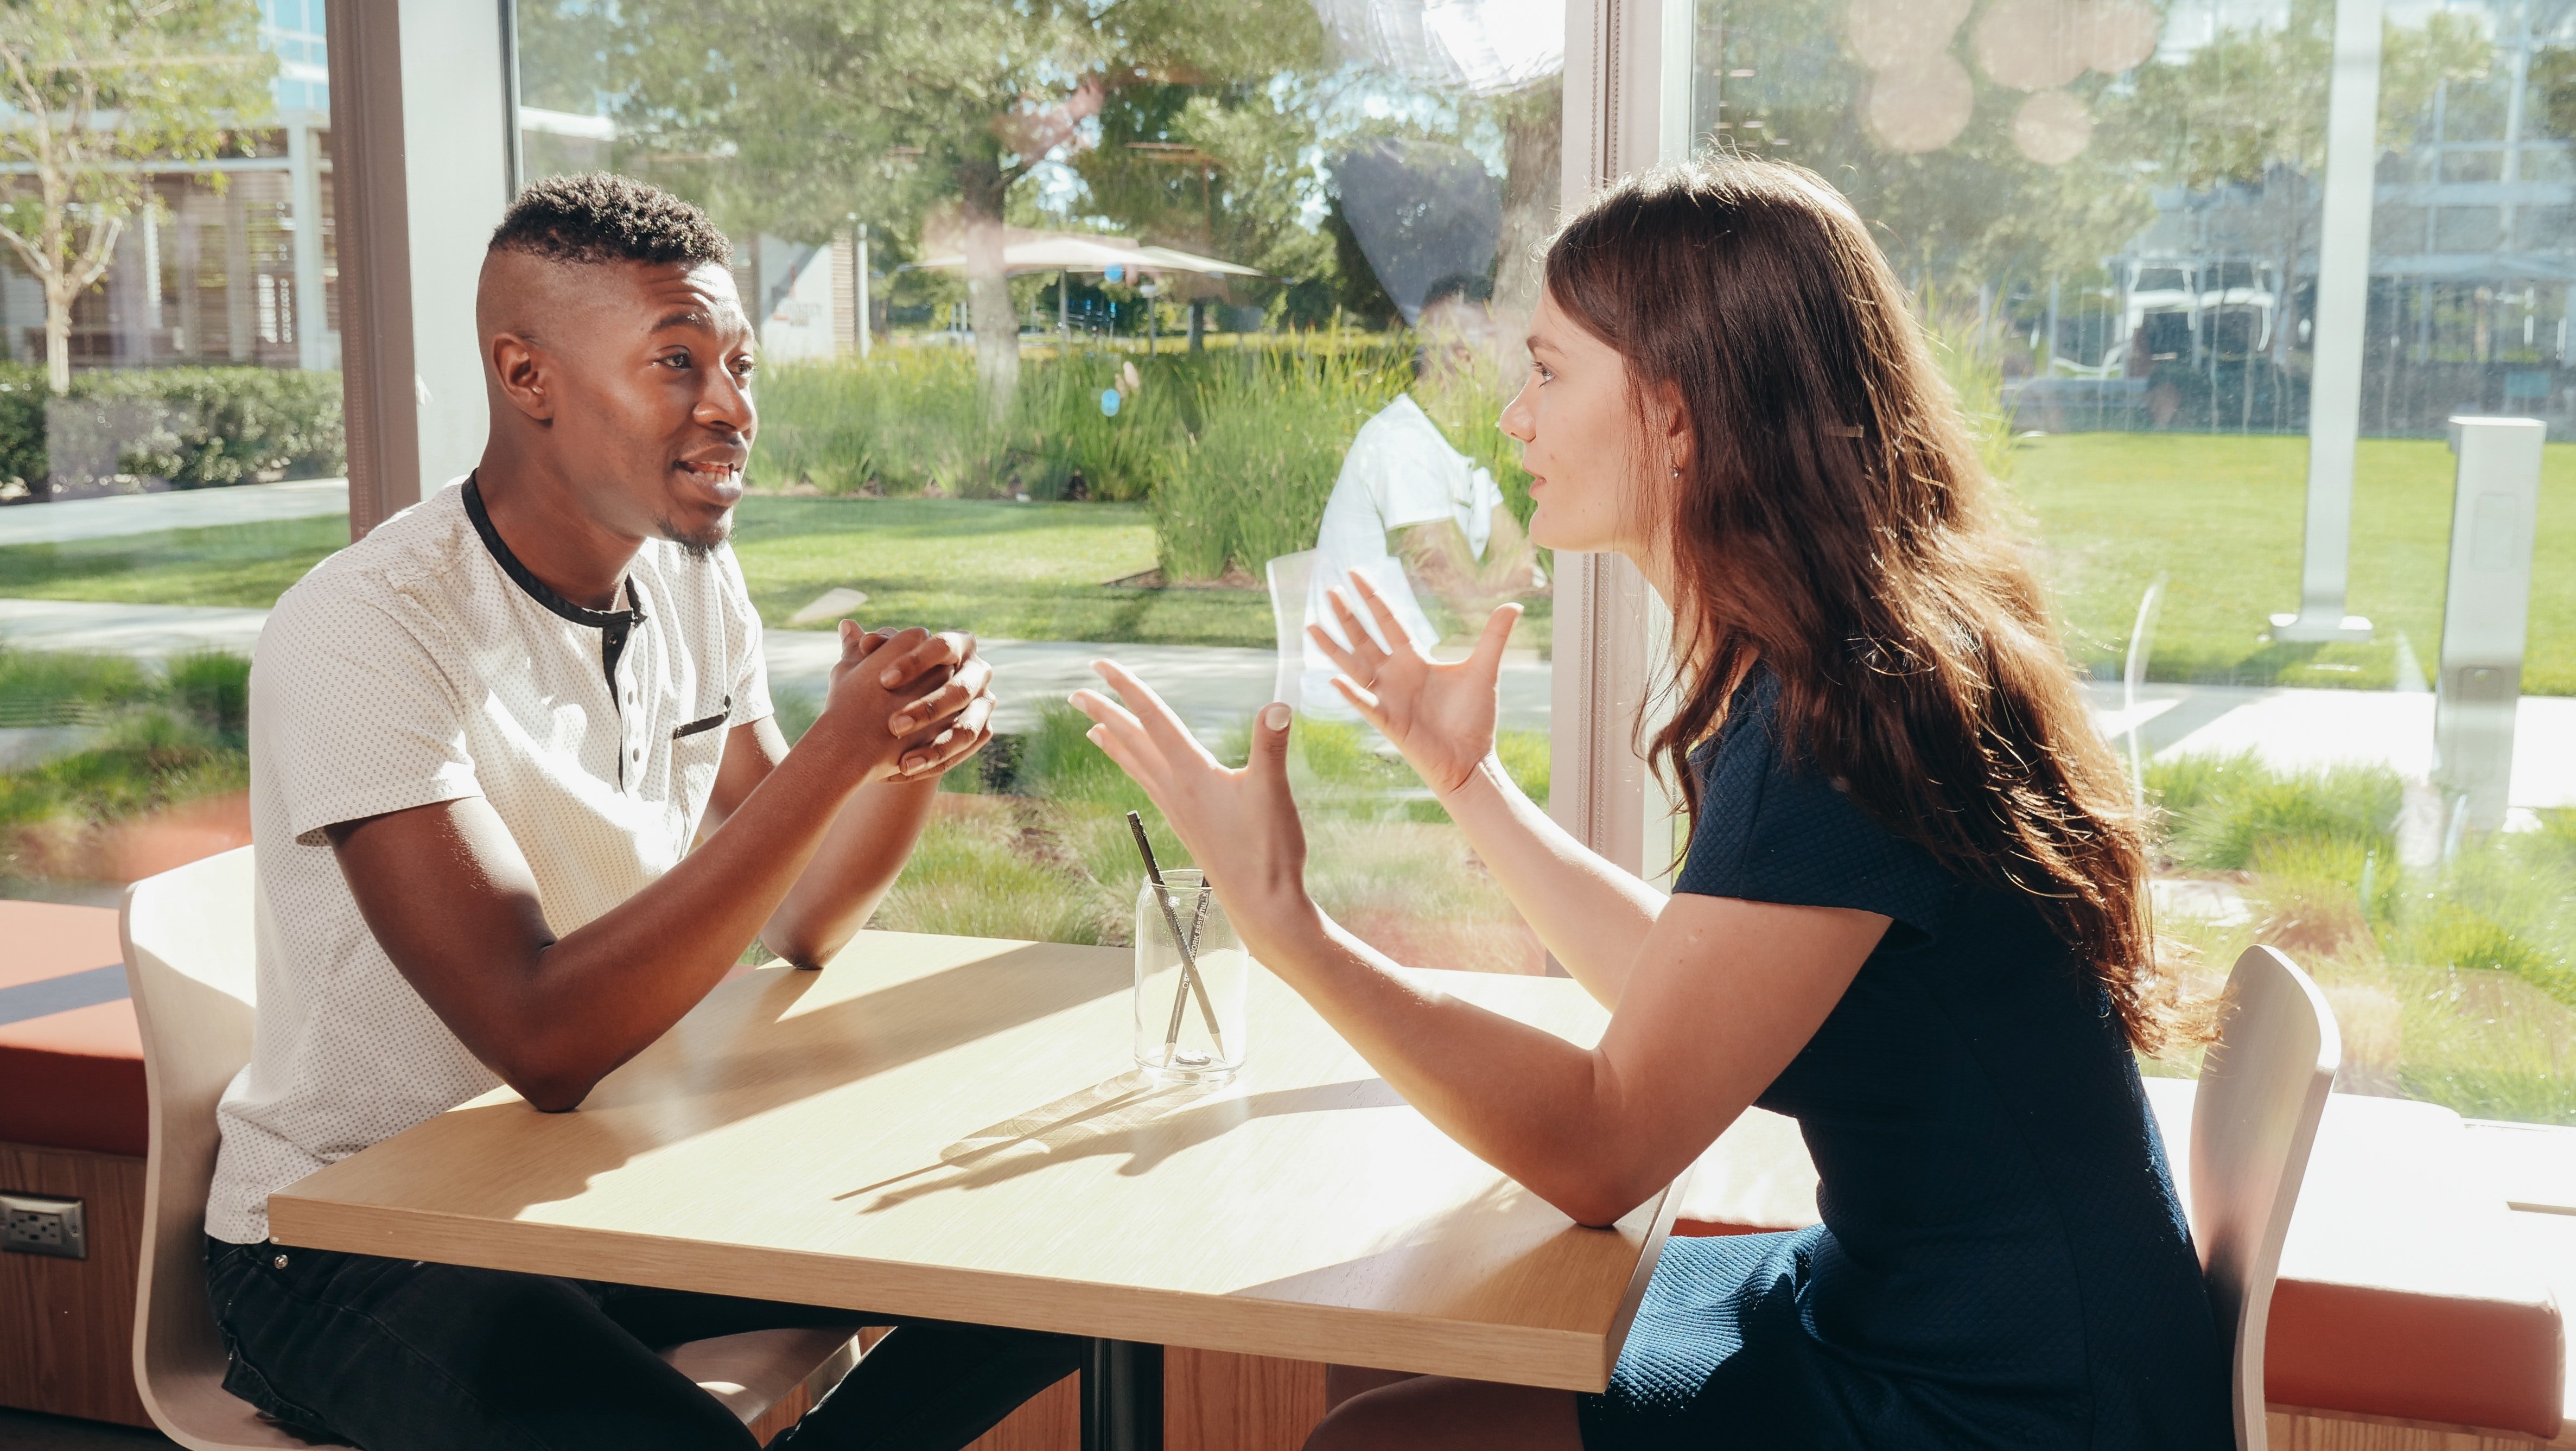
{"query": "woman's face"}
pixel 1578 431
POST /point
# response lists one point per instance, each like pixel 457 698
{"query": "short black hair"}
pixel 598 216
pixel 1470 287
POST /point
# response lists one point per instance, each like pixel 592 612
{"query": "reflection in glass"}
pixel 1070 317
pixel 2110 213
pixel 169 328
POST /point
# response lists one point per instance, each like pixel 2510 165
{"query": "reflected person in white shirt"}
pixel 1410 507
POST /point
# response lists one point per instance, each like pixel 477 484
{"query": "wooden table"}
pixel 951 1127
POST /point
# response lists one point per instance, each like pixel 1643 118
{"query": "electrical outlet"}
pixel 33 1225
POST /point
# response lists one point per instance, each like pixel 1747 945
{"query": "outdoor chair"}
pixel 1290 576
pixel 2263 1088
pixel 189 939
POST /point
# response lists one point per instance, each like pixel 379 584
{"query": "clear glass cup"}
pixel 1195 1032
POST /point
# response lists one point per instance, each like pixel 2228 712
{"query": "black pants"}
pixel 401 1355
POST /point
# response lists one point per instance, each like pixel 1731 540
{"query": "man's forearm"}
pixel 587 1007
pixel 861 854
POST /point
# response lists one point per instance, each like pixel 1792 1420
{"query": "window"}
pixel 1072 321
pixel 2114 217
pixel 196 365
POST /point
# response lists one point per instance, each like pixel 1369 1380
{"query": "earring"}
pixel 1677 471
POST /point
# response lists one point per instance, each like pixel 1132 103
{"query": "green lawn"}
pixel 2220 515
pixel 2223 517
pixel 1010 571
pixel 1004 570
pixel 239 564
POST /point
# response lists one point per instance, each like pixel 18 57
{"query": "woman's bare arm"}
pixel 1719 996
pixel 1593 916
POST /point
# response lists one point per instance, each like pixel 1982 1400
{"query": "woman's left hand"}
pixel 1241 827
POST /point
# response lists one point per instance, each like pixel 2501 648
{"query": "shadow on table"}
pixel 1132 1114
pixel 695 1080
pixel 1513 1259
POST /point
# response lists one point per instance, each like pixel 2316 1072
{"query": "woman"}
pixel 1912 915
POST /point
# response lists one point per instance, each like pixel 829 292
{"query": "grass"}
pixel 162 738
pixel 1053 859
pixel 235 564
pixel 2453 982
pixel 1003 570
pixel 1250 483
pixel 2222 515
pixel 912 421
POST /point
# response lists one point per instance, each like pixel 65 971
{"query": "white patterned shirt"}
pixel 425 664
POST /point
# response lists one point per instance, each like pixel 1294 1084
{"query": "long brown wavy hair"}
pixel 1832 522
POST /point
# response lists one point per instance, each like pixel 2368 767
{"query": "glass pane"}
pixel 1119 331
pixel 2111 213
pixel 170 436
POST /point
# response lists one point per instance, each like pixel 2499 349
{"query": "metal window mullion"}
pixel 1624 60
pixel 373 221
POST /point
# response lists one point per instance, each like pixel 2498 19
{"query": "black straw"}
pixel 1186 942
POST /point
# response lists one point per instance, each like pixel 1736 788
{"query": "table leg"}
pixel 1122 1397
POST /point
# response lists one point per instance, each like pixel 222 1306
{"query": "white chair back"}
pixel 2263 1088
pixel 190 959
pixel 1290 576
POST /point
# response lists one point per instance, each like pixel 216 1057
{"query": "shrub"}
pixel 2220 810
pixel 147 758
pixel 186 428
pixel 1273 428
pixel 213 688
pixel 54 688
pixel 162 738
pixel 913 421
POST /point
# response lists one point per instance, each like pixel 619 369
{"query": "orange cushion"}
pixel 71 1062
pixel 2403 1290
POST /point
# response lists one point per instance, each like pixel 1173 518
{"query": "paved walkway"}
pixel 115 514
pixel 1215 688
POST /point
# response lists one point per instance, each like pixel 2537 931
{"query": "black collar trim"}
pixel 525 579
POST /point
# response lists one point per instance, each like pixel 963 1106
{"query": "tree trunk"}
pixel 981 186
pixel 1533 186
pixel 58 334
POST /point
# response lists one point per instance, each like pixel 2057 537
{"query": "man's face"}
pixel 1458 336
pixel 653 416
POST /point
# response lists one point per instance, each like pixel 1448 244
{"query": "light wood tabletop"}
pixel 951 1127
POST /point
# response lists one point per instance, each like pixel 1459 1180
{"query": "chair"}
pixel 189 956
pixel 2263 1088
pixel 1290 576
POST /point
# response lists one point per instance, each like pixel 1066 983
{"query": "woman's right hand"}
pixel 1440 716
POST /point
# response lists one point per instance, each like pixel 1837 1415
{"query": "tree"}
pixel 1221 169
pixel 800 112
pixel 2248 108
pixel 97 90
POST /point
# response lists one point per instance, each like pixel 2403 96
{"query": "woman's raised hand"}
pixel 1241 827
pixel 1440 716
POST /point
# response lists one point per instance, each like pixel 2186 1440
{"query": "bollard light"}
pixel 2486 613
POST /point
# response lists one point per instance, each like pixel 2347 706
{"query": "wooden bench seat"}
pixel 71 1126
pixel 2410 1293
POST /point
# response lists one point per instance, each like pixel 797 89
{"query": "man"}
pixel 1404 483
pixel 519 804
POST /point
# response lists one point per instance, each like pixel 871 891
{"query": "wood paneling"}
pixel 1051 1420
pixel 1213 1401
pixel 950 1127
pixel 67 1326
pixel 2309 1431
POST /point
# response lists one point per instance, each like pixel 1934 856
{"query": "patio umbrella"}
pixel 1026 252
pixel 1061 253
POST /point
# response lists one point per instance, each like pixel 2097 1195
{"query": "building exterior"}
pixel 236 264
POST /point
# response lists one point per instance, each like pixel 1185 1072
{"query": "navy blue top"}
pixel 2003 1260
